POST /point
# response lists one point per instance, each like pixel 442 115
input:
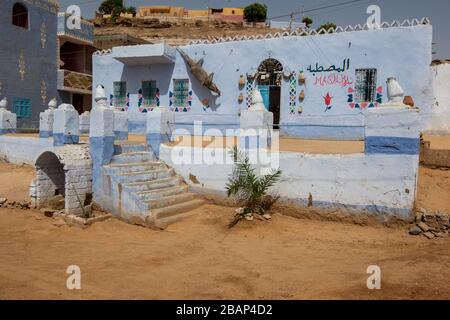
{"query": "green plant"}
pixel 325 27
pixel 307 21
pixel 255 12
pixel 130 9
pixel 108 6
pixel 248 188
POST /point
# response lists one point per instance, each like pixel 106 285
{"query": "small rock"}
pixel 415 231
pixel 239 211
pixel 267 216
pixel 423 226
pixel 3 200
pixel 429 235
pixel 58 223
pixel 419 216
pixel 24 205
pixel 48 212
pixel 249 217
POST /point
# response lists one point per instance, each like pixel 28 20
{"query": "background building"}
pixel 28 56
pixel 169 12
pixel 76 47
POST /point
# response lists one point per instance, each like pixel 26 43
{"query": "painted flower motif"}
pixel 328 100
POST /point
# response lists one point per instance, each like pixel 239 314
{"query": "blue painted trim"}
pixel 323 132
pixel 121 135
pixel 45 134
pixel 154 141
pixel 351 208
pixel 102 151
pixel 392 145
pixel 60 139
pixel 137 126
pixel 5 131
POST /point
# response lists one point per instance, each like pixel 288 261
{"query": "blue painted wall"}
pixel 39 58
pixel 386 50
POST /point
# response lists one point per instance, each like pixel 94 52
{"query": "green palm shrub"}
pixel 249 189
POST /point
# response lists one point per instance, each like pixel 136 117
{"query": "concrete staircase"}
pixel 144 190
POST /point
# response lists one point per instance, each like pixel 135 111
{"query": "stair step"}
pixel 163 192
pixel 141 176
pixel 169 200
pixel 133 157
pixel 120 148
pixel 133 167
pixel 153 184
pixel 170 214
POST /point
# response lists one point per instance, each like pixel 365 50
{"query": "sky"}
pixel 437 11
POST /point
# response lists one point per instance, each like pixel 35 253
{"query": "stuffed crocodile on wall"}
pixel 196 68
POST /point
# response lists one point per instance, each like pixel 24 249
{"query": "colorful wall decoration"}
pixel 328 101
pixel 362 105
pixel 124 107
pixel 338 79
pixel 184 108
pixel 205 103
pixel 144 106
pixel 293 93
pixel 249 90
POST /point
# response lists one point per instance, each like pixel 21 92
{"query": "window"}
pixel 149 92
pixel 180 92
pixel 20 16
pixel 366 80
pixel 21 107
pixel 120 93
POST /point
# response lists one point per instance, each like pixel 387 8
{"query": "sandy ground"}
pixel 199 258
pixel 434 189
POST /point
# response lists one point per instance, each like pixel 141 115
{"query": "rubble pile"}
pixel 24 205
pixel 431 224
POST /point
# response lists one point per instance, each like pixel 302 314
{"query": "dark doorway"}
pixel 270 74
pixel 274 104
pixel 77 102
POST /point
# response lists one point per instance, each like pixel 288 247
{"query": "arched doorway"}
pixel 64 176
pixel 270 74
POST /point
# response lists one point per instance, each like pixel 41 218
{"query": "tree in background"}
pixel 307 21
pixel 130 9
pixel 326 26
pixel 108 6
pixel 255 12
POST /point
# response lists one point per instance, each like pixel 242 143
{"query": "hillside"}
pixel 175 32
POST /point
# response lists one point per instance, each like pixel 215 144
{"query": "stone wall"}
pixel 65 171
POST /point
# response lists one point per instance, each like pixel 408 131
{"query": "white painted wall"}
pixel 440 120
pixel 22 149
pixel 403 52
pixel 378 183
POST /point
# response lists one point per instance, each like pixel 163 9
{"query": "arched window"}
pixel 20 16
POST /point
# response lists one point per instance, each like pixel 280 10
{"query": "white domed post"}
pixel 393 128
pixel 65 125
pixel 8 120
pixel 84 122
pixel 101 140
pixel 46 120
pixel 255 124
pixel 159 123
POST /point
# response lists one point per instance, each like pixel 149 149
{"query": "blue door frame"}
pixel 264 90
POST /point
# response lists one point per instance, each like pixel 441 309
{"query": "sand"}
pixel 199 258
